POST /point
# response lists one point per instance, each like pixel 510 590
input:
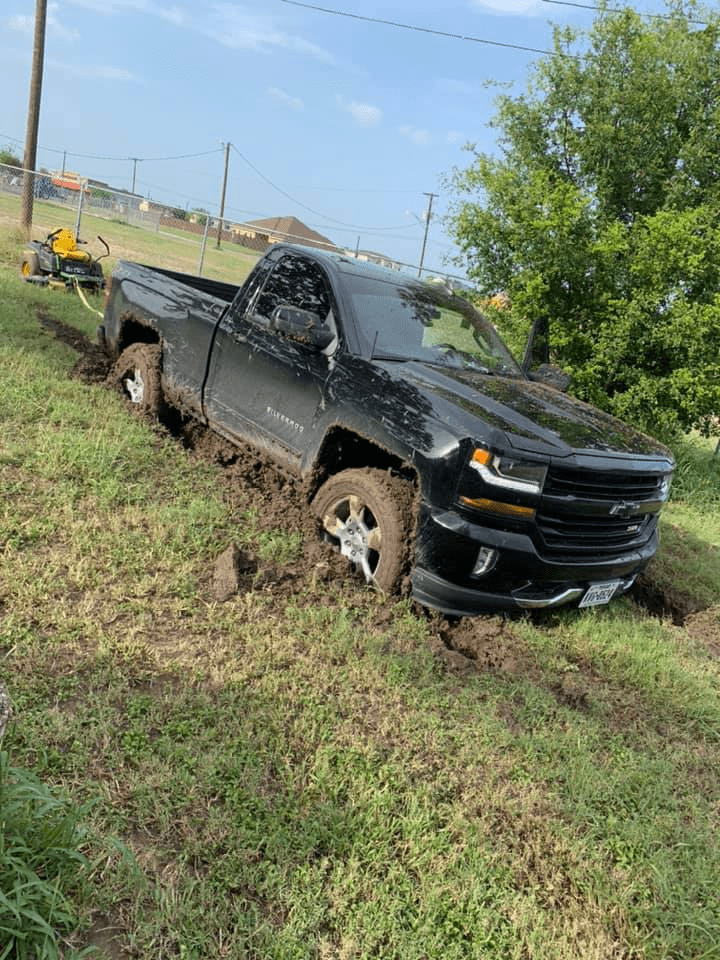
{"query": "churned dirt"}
pixel 280 502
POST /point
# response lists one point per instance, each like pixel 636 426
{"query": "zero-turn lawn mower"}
pixel 58 261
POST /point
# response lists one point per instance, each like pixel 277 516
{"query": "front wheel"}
pixel 137 374
pixel 369 515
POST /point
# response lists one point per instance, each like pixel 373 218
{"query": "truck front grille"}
pixel 588 516
pixel 603 486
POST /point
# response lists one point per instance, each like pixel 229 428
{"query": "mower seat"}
pixel 65 246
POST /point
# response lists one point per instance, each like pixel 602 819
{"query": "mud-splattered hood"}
pixel 531 415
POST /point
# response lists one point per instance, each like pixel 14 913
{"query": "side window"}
pixel 253 284
pixel 297 282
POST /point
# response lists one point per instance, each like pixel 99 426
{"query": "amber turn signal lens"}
pixel 496 506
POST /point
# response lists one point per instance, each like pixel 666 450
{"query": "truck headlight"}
pixel 665 487
pixel 521 476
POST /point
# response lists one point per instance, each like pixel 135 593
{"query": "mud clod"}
pixel 233 573
pixel 572 691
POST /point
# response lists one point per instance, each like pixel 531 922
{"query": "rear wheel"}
pixel 30 266
pixel 137 373
pixel 98 282
pixel 369 515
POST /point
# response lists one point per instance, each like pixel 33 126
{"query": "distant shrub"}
pixel 697 471
pixel 9 157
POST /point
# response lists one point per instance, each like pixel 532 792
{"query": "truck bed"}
pixel 153 304
pixel 215 288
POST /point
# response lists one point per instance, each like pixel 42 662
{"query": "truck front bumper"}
pixel 456 601
pixel 520 579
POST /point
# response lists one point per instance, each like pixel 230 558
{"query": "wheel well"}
pixel 135 330
pixel 343 450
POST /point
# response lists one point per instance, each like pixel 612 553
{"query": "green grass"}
pixel 40 866
pixel 314 775
pixel 170 248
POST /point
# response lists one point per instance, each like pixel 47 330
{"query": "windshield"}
pixel 414 321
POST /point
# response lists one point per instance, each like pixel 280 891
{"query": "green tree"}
pixel 199 215
pixel 8 157
pixel 601 211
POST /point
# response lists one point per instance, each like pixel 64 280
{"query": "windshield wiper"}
pixel 393 356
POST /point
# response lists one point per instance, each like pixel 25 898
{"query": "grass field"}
pixel 315 772
pixel 176 250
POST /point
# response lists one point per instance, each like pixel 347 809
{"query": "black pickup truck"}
pixel 425 449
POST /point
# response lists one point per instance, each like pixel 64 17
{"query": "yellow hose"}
pixel 84 300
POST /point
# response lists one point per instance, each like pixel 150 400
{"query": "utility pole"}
pixel 222 196
pixel 431 196
pixel 135 163
pixel 33 118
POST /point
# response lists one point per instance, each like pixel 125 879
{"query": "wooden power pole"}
pixel 33 119
pixel 431 197
pixel 222 197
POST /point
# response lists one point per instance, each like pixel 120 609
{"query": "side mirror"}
pixel 301 325
pixel 551 376
pixel 537 351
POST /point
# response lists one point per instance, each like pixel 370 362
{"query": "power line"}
pixel 92 156
pixel 588 6
pixel 317 213
pixel 182 156
pixel 438 33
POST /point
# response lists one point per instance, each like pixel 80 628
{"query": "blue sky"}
pixel 342 122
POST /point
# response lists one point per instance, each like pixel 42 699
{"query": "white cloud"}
pixel 55 28
pixel 21 23
pixel 227 23
pixel 510 6
pixel 364 114
pixel 284 97
pixel 171 14
pixel 454 137
pixel 415 135
pixel 239 28
pixel 100 71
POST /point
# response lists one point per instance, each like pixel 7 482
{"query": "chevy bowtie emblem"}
pixel 624 509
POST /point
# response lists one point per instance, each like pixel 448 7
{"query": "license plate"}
pixel 599 593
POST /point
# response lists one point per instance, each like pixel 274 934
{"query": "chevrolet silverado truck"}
pixel 428 455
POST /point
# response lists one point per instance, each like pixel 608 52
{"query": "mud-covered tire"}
pixel 30 266
pixel 137 373
pixel 369 516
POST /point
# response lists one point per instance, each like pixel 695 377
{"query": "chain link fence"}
pixel 78 196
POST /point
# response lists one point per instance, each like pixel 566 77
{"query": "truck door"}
pixel 263 386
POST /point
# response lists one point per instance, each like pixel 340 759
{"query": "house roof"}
pixel 292 230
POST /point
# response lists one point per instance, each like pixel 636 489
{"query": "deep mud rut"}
pixel 279 502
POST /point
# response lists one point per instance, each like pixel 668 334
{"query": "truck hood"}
pixel 534 417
